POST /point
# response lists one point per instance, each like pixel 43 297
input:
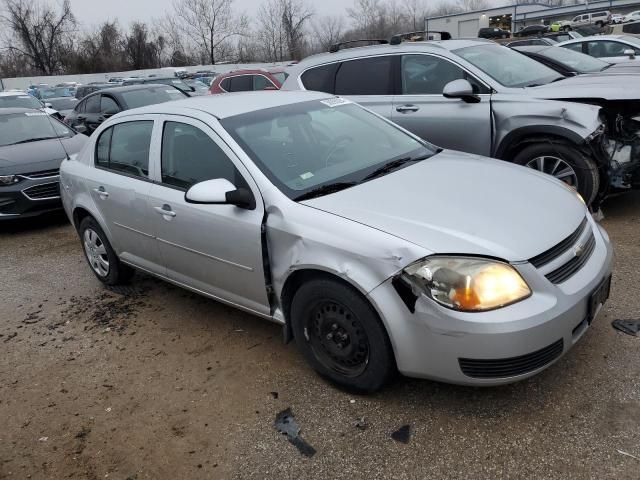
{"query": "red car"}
pixel 248 81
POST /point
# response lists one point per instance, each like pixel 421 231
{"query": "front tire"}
pixel 341 336
pixel 564 162
pixel 100 256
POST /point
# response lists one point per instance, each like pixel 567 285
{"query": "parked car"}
pixel 531 30
pixel 85 90
pixel 598 19
pixel 632 16
pixel 173 81
pixel 610 48
pixel 540 41
pixel 339 244
pixel 246 80
pixel 32 146
pixel 518 109
pixel 13 99
pixel 54 92
pixel 631 28
pixel 64 105
pixel 569 63
pixel 493 32
pixel 617 18
pixel 96 107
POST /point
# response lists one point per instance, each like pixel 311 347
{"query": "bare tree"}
pixel 210 24
pixel 140 52
pixel 416 13
pixel 445 8
pixel 472 5
pixel 281 28
pixel 40 34
pixel 327 31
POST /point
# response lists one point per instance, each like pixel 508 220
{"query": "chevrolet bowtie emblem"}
pixel 578 250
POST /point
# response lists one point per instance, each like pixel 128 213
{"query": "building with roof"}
pixel 516 16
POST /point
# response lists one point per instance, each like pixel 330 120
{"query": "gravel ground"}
pixel 152 382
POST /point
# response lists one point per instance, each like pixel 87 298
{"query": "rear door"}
pixel 215 249
pixel 119 185
pixel 448 123
pixel 91 116
pixel 369 82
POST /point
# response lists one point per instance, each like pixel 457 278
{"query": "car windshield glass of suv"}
pixel 66 103
pixel 304 147
pixel 55 92
pixel 20 101
pixel 575 61
pixel 29 127
pixel 280 76
pixel 508 67
pixel 151 96
pixel 198 85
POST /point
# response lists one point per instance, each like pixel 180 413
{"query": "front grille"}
pixel 511 367
pixel 567 270
pixel 43 192
pixel 554 252
pixel 43 174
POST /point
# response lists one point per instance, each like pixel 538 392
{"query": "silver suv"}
pixel 482 98
pixel 375 250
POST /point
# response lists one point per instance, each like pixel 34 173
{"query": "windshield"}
pixel 30 126
pixel 508 67
pixel 20 101
pixel 306 146
pixel 574 61
pixel 55 92
pixel 197 84
pixel 151 96
pixel 67 103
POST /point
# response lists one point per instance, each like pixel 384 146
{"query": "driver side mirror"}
pixel 48 105
pixel 630 52
pixel 462 90
pixel 220 191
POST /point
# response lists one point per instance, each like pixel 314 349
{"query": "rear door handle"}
pixel 102 192
pixel 165 210
pixel 407 108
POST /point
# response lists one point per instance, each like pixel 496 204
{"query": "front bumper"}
pixel 433 342
pixel 30 197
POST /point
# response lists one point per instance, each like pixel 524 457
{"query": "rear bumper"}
pixel 456 347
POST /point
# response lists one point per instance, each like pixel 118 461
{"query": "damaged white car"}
pixel 376 251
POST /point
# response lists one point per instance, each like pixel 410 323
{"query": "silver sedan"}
pixel 375 251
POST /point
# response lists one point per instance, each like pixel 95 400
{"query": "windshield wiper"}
pixel 324 190
pixel 29 140
pixel 394 164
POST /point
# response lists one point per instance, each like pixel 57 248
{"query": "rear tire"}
pixel 564 162
pixel 100 256
pixel 341 336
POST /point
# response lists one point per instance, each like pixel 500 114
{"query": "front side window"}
pixel 92 104
pixel 600 49
pixel 125 148
pixel 108 105
pixel 508 67
pixel 576 47
pixel 428 75
pixel 243 83
pixel 260 82
pixel 190 156
pixel 305 146
pixel 367 76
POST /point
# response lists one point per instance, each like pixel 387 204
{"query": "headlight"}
pixel 468 284
pixel 8 180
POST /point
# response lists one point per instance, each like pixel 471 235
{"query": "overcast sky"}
pixel 93 12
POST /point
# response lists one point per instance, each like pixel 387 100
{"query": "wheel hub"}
pixel 556 167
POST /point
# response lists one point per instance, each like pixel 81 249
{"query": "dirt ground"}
pixel 153 382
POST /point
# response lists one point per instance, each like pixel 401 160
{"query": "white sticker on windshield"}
pixel 172 91
pixel 35 114
pixel 335 102
pixel 306 176
pixel 26 97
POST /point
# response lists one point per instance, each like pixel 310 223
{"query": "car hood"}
pixel 38 156
pixel 608 87
pixel 456 203
pixel 623 67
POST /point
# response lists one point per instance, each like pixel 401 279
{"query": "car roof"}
pixel 231 104
pixel 130 88
pixel 532 48
pixel 431 46
pixel 13 110
pixel 592 38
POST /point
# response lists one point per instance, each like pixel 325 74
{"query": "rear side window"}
pixel 320 79
pixel 125 148
pixel 601 49
pixel 576 47
pixel 226 84
pixel 92 104
pixel 260 82
pixel 631 28
pixel 243 83
pixel 367 76
pixel 108 104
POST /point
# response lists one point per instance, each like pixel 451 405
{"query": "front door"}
pixel 215 249
pixel 119 186
pixel 447 123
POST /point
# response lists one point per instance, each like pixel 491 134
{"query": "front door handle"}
pixel 102 192
pixel 407 109
pixel 165 210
